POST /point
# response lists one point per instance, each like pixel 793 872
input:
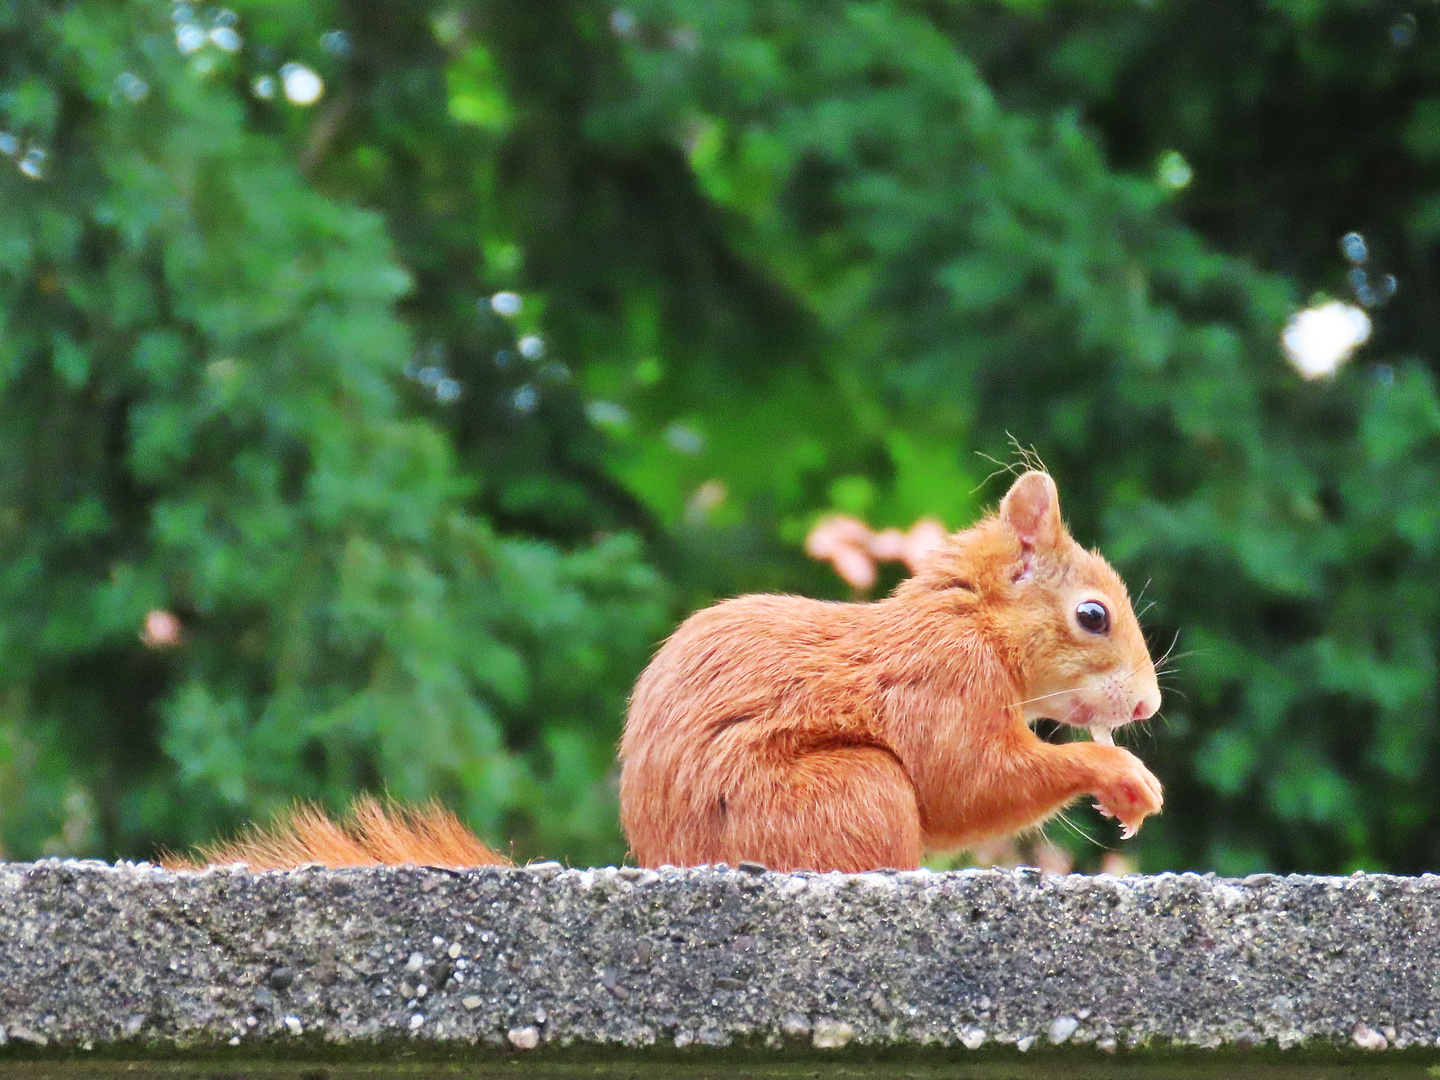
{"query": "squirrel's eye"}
pixel 1092 616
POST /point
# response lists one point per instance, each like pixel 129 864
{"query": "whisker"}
pixel 1166 656
pixel 1057 693
pixel 1064 819
pixel 1141 595
pixel 1172 657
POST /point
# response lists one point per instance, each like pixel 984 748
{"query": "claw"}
pixel 1127 832
pixel 1103 811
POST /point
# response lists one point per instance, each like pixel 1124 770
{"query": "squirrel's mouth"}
pixel 1100 730
pixel 1101 727
pixel 1085 714
pixel 1082 715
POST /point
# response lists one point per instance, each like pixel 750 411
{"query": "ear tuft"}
pixel 1031 510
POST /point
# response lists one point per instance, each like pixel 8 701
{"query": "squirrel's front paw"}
pixel 1126 790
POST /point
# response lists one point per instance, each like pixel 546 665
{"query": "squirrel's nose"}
pixel 1146 707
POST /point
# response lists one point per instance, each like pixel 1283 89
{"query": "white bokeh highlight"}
pixel 302 85
pixel 506 304
pixel 1321 338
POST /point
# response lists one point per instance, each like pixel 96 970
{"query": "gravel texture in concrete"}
pixel 135 956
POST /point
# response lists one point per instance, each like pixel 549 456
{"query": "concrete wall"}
pixel 128 957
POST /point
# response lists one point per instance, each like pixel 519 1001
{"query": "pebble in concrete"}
pixel 831 1034
pixel 1063 1028
pixel 525 1038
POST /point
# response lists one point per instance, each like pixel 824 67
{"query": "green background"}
pixel 799 257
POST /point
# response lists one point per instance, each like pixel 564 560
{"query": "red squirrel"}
pixel 804 734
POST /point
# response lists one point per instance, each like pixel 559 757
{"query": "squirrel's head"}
pixel 1061 613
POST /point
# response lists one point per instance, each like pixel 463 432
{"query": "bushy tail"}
pixel 371 834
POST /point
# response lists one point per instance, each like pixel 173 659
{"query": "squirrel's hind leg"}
pixel 850 808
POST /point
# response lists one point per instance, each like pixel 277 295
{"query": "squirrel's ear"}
pixel 1031 510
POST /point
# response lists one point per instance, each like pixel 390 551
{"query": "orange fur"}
pixel 371 835
pixel 830 736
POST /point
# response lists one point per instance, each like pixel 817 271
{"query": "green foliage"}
pixel 768 260
pixel 200 416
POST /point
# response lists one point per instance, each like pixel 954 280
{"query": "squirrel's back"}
pixel 739 688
